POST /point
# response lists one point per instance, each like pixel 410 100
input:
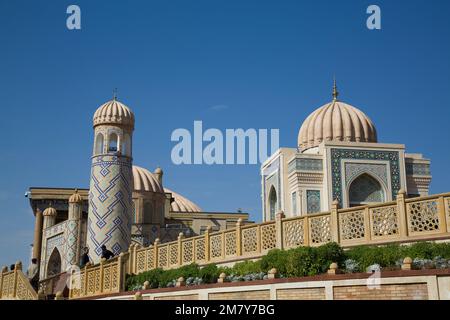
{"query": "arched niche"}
pixel 54 263
pixel 365 190
pixel 273 202
pixel 113 143
pixel 99 143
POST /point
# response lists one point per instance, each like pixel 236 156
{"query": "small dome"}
pixel 181 204
pixel 144 180
pixel 75 198
pixel 50 211
pixel 158 170
pixel 336 121
pixel 114 112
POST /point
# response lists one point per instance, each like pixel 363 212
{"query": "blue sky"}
pixel 231 64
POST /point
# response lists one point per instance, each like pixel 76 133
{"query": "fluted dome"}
pixel 114 112
pixel 49 212
pixel 336 121
pixel 144 180
pixel 75 197
pixel 181 204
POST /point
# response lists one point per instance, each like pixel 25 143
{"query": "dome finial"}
pixel 335 92
pixel 115 94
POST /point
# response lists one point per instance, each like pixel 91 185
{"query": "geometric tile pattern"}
pixel 72 242
pixel 110 205
pixel 336 171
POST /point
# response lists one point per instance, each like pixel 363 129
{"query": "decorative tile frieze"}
pixel 419 169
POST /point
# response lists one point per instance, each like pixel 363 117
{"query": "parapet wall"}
pixel 392 285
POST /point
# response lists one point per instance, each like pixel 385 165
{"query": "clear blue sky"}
pixel 270 63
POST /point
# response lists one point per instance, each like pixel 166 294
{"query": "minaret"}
pixel 73 232
pixel 110 202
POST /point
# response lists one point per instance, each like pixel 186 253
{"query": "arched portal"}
pixel 273 202
pixel 54 263
pixel 365 190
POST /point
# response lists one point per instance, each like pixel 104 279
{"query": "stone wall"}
pixel 391 285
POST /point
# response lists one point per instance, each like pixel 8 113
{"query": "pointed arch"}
pixel 365 189
pixel 273 202
pixel 54 263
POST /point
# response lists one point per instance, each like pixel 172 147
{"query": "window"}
pixel 99 144
pixel 113 143
pixel 273 203
pixel 312 201
pixel 294 203
pixel 365 190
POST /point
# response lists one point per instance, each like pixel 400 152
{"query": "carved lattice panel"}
pixel 115 285
pixel 200 249
pixel 249 240
pixel 97 279
pixel 173 254
pixel 162 257
pixel 384 221
pixel 188 251
pixel 140 261
pixel 351 225
pixel 8 285
pixel 230 243
pixel 216 246
pixel 107 279
pixel 21 290
pixel 320 229
pixel 293 233
pixel 268 236
pixel 90 283
pixel 423 216
pixel 150 258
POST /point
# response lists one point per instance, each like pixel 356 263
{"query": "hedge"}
pixel 302 261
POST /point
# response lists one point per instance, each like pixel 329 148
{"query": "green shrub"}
pixel 327 254
pixel 299 262
pixel 427 250
pixel 209 273
pixel 246 267
pixel 275 258
pixel 385 256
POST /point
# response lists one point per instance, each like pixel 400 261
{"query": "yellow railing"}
pixel 403 220
pixel 105 277
pixel 14 285
pixel 397 221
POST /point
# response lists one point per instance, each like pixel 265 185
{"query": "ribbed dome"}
pixel 114 112
pixel 144 180
pixel 181 204
pixel 336 121
pixel 50 211
pixel 75 197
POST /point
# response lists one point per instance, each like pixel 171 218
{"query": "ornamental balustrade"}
pixel 403 220
pixel 103 278
pixel 14 285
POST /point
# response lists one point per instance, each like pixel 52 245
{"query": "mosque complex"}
pixel 337 159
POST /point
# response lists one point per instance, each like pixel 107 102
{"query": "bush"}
pixel 303 261
pixel 427 250
pixel 275 258
pixel 365 256
pixel 209 273
pixel 246 267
